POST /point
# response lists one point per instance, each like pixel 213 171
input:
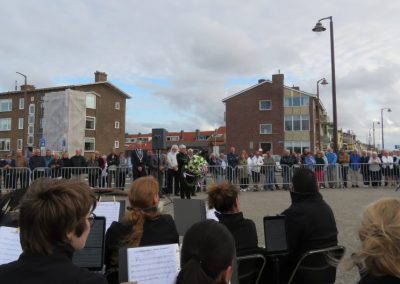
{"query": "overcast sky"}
pixel 179 59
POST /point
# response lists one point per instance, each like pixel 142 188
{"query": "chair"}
pixel 250 268
pixel 317 266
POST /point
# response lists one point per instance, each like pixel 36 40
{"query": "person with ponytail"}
pixel 207 254
pixel 143 225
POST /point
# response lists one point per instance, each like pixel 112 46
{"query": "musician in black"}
pixel 139 161
pixel 183 159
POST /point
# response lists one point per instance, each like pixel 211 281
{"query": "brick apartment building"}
pixel 64 118
pixel 197 140
pixel 272 116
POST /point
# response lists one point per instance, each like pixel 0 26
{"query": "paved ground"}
pixel 347 205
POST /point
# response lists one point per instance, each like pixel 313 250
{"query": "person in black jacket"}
pixel 143 225
pixel 112 165
pixel 78 161
pixel 49 240
pixel 36 162
pixel 286 162
pixel 224 198
pixel 139 161
pixel 309 220
pixel 183 159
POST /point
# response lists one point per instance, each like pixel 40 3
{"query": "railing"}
pixel 265 177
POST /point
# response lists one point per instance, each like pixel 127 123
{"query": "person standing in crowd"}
pixel 8 172
pixel 364 159
pixel 207 254
pixel 269 170
pixel 112 165
pixel 93 170
pixel 154 166
pixel 287 161
pixel 122 170
pixel 183 159
pixel 387 168
pixel 310 221
pixel 221 168
pixel 213 166
pixel 67 165
pixel 378 257
pixel 243 170
pixel 306 151
pixel 36 164
pixel 190 155
pixel 143 225
pixel 256 163
pixel 309 161
pixel 344 160
pixel 172 171
pixel 79 162
pixel 55 166
pixel 375 169
pixel 139 161
pixel 354 166
pixel 319 169
pixel 233 161
pixel 332 167
pixel 224 198
pixel 396 166
pixel 49 241
pixel 48 158
pixel 22 173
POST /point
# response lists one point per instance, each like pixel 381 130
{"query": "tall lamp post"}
pixel 25 104
pixel 320 28
pixel 383 139
pixel 373 131
pixel 322 82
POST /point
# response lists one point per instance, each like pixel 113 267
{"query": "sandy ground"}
pixel 347 205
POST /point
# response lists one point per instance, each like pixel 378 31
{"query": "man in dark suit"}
pixel 139 160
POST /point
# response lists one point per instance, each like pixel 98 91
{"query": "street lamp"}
pixel 373 131
pixel 322 82
pixel 383 140
pixel 320 28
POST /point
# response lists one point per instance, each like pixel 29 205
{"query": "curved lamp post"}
pixel 322 82
pixel 383 138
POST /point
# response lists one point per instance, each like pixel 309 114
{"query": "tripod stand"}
pixel 158 153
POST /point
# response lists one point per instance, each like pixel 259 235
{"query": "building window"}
pixel 265 128
pixel 296 101
pixel 31 119
pixel 4 144
pixel 116 144
pixel 91 101
pixel 5 105
pixel 117 125
pixel 90 144
pixel 117 105
pixel 90 123
pixel 202 138
pixel 297 122
pixel 172 138
pixel 5 124
pixel 32 99
pixel 297 146
pixel 266 146
pixel 32 109
pixel 30 140
pixel 19 144
pixel 30 130
pixel 21 123
pixel 265 105
pixel 21 103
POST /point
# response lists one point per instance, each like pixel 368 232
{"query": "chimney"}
pixel 261 81
pixel 296 88
pixel 181 136
pixel 100 76
pixel 278 79
pixel 27 87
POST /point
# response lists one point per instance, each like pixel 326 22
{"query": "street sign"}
pixel 42 142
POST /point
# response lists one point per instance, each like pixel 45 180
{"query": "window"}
pixel 4 144
pixel 288 123
pixel 31 119
pixel 90 144
pixel 265 146
pixel 30 130
pixel 116 144
pixel 265 105
pixel 265 128
pixel 30 140
pixel 117 125
pixel 305 100
pixel 90 123
pixel 32 99
pixel 19 144
pixel 297 123
pixel 202 138
pixel 117 105
pixel 21 123
pixel 91 101
pixel 5 124
pixel 21 103
pixel 297 146
pixel 32 109
pixel 6 105
pixel 41 123
pixel 305 122
pixel 172 138
pixel 296 101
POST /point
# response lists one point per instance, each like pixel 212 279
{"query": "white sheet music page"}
pixel 10 247
pixel 110 210
pixel 154 264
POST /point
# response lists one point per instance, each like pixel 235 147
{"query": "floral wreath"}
pixel 195 170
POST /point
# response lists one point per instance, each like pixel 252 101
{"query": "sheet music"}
pixel 10 247
pixel 154 264
pixel 110 210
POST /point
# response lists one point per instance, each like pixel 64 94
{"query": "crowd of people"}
pixel 209 247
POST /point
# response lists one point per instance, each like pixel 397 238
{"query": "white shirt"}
pixel 257 162
pixel 387 161
pixel 171 160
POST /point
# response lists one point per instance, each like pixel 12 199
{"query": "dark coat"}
pixel 41 269
pixel 36 162
pixel 78 161
pixel 387 279
pixel 138 161
pixel 310 225
pixel 243 230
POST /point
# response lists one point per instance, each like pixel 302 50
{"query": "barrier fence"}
pixel 265 177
